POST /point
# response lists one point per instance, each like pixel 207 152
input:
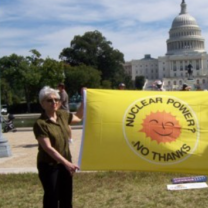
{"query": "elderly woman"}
pixel 54 162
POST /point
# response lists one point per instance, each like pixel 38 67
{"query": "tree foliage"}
pixel 90 61
pixel 139 82
pixel 6 94
pixel 10 73
pixel 22 77
pixel 52 72
pixel 92 49
pixel 81 76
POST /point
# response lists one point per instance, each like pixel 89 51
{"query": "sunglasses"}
pixel 56 100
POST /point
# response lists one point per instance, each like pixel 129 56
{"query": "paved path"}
pixel 24 150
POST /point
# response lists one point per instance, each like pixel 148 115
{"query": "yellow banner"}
pixel 146 131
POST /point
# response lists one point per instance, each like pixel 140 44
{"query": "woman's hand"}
pixel 46 145
pixel 71 167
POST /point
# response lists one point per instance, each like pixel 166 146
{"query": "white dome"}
pixel 185 34
pixel 184 20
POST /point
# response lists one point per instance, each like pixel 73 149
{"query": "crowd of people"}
pixel 158 85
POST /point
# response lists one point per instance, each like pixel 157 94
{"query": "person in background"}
pixel 64 97
pixel 54 161
pixel 8 124
pixel 185 87
pixel 145 84
pixel 159 85
pixel 122 86
pixel 198 88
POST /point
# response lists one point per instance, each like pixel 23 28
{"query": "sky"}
pixel 135 27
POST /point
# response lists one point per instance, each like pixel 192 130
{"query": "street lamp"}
pixel 4 145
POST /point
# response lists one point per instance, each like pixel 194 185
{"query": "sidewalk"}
pixel 24 150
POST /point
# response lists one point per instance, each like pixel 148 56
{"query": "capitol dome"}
pixel 185 34
pixel 184 20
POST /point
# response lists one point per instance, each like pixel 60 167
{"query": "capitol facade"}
pixel 185 50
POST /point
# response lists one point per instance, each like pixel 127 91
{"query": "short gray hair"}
pixel 46 91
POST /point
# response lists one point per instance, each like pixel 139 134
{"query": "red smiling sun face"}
pixel 161 127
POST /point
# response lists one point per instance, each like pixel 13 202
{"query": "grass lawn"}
pixel 105 190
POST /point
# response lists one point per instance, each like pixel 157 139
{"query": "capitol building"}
pixel 185 50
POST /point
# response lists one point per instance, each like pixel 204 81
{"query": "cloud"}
pixel 135 27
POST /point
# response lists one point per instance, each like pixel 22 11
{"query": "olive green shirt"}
pixel 58 132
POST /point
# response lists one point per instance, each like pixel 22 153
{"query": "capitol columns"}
pixel 203 67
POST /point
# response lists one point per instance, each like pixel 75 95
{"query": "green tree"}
pixel 6 94
pixel 128 81
pixel 106 84
pixel 23 76
pixel 122 77
pixel 81 76
pixel 52 72
pixel 10 67
pixel 35 58
pixel 92 49
pixel 139 82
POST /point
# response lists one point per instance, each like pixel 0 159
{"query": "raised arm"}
pixel 78 116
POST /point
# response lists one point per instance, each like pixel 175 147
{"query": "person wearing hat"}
pixel 159 85
pixel 122 86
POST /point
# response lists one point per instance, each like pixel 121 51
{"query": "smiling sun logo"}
pixel 161 127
